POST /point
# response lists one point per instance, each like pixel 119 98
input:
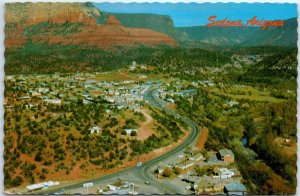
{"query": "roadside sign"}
pixel 88 184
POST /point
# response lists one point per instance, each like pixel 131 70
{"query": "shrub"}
pixel 123 132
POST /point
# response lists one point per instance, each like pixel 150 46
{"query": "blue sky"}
pixel 195 14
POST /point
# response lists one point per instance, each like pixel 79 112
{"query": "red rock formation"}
pixel 111 34
pixel 106 37
pixel 57 13
pixel 112 21
pixel 12 43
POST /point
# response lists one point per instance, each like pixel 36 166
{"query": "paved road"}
pixel 145 172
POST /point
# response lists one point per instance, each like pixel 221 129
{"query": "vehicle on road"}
pixel 139 164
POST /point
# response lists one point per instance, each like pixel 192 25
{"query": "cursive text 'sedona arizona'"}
pixel 252 22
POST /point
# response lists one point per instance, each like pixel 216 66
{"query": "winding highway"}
pixel 145 171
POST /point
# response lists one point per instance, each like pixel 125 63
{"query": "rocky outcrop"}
pixel 57 13
pixel 112 21
pixel 61 15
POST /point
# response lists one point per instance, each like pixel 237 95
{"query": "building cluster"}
pixel 58 90
pixel 175 88
pixel 183 162
pixel 247 59
pixel 134 66
pixel 221 175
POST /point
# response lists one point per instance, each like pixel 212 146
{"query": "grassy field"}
pixel 245 92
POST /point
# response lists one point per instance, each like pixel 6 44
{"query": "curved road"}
pixel 145 172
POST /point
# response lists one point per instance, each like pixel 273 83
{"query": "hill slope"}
pixel 283 65
pixel 218 35
pixel 245 36
pixel 276 36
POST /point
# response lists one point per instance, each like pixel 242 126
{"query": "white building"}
pixel 53 101
pixel 112 187
pixel 186 164
pixel 170 100
pixel 132 67
pixel 142 76
pixel 110 99
pixel 95 129
pixel 144 67
pixel 129 131
pixel 224 173
pixel 41 185
pixel 232 103
pixel 117 93
pixel 35 93
pixel 111 92
pixel 43 90
pixel 24 97
pixel 196 157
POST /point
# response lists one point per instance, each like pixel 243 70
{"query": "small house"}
pixel 112 187
pixel 171 100
pixel 110 99
pixel 132 68
pixel 186 164
pixel 95 129
pixel 129 131
pixel 143 66
pixel 222 173
pixel 235 189
pixel 226 155
pixel 232 103
pixel 53 101
pixel 197 157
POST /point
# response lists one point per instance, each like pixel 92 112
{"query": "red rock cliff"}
pixel 89 33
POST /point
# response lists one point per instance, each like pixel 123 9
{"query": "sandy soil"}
pixel 145 129
pixel 290 148
pixel 202 139
pixel 92 171
pixel 143 158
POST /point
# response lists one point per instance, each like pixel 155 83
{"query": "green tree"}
pixel 177 170
pixel 38 157
pixel 167 172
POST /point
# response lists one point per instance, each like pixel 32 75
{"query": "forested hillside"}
pixel 219 35
pixel 277 69
pixel 44 58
